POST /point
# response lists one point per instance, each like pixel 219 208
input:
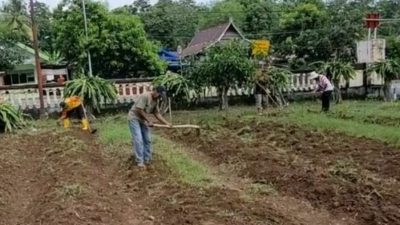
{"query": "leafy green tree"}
pixel 15 16
pixel 302 33
pixel 9 55
pixel 313 30
pixel 137 7
pixel 345 27
pixel 172 23
pixel 43 17
pixel 261 18
pixel 222 11
pixel 389 9
pixel 226 66
pixel 393 47
pixel 117 42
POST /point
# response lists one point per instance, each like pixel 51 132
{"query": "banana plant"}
pixel 10 118
pixel 93 90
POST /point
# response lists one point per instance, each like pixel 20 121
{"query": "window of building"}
pixel 23 77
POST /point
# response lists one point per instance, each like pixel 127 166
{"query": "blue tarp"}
pixel 172 58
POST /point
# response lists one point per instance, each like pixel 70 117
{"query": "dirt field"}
pixel 351 178
pixel 266 174
pixel 60 178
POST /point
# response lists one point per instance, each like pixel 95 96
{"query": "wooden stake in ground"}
pixel 170 110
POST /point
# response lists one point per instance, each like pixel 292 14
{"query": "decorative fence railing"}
pixel 27 97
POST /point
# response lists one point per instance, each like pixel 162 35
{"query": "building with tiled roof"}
pixel 211 36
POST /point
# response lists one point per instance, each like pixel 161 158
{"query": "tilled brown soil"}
pixel 56 178
pixel 59 178
pixel 350 177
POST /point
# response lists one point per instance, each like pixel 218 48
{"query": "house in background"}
pixel 211 36
pixel 25 73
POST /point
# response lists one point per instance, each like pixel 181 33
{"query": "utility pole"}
pixel 37 58
pixel 86 32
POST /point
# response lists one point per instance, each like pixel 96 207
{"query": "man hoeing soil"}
pixel 140 123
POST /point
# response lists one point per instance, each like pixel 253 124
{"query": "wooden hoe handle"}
pixel 177 126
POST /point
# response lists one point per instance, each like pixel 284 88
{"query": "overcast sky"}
pixel 112 3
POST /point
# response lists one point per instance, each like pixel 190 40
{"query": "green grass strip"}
pixel 189 170
pixel 115 131
pixel 390 135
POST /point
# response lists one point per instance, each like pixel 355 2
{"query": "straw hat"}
pixel 313 75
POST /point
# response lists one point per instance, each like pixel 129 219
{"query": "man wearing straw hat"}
pixel 325 87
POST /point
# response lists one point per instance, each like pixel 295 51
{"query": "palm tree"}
pixel 389 70
pixel 337 71
pixel 14 15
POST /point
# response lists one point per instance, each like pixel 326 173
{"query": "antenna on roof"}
pixel 230 19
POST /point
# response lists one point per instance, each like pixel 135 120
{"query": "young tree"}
pixel 226 66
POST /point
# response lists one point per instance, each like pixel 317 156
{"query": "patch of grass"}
pixel 189 170
pixel 70 191
pixel 114 130
pixel 263 189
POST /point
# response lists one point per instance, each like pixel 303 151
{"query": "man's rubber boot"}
pixel 85 124
pixel 67 123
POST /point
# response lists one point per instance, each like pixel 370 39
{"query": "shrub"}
pixel 93 90
pixel 177 85
pixel 10 118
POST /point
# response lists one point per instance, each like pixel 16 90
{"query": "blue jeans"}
pixel 141 141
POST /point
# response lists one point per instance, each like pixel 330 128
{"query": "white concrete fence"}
pixel 27 97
